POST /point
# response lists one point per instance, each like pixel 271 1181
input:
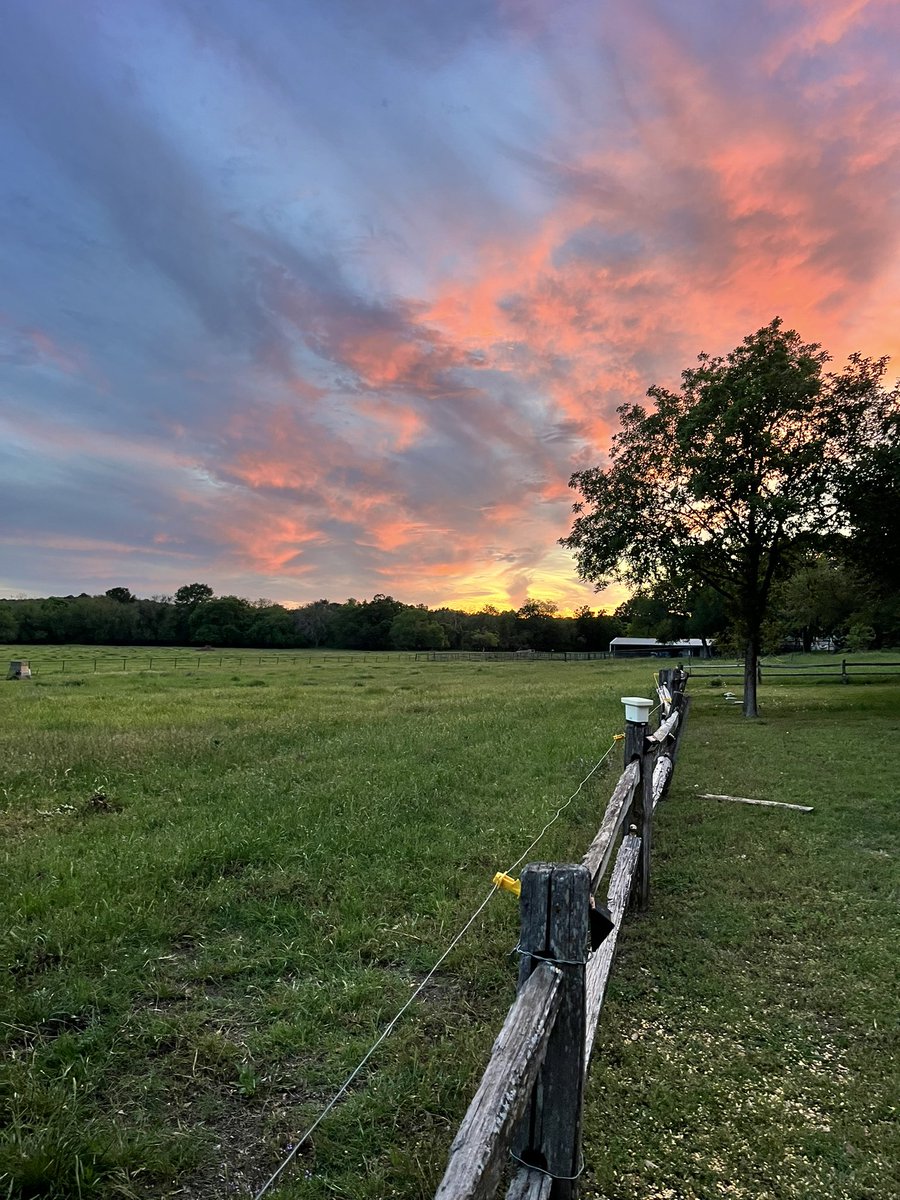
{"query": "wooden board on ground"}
pixel 762 803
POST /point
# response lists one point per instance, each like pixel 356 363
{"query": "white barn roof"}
pixel 636 641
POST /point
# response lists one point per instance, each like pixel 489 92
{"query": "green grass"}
pixel 748 1047
pixel 221 886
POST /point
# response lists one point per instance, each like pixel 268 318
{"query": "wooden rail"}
pixel 528 1105
pixel 479 1150
pixel 841 671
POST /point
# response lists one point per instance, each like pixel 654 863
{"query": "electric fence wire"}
pixel 391 1025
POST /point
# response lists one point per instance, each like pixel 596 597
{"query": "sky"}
pixel 326 298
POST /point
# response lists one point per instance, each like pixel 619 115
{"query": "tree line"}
pixel 196 616
pixel 825 598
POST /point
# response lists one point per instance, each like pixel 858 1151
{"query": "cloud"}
pixel 321 299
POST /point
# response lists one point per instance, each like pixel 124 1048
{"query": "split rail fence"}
pixel 831 670
pixel 527 1109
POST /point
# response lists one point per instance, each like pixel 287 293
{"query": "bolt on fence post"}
pixel 554 912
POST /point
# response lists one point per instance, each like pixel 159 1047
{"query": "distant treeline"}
pixel 196 616
pixel 823 599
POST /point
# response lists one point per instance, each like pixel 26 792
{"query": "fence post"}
pixel 637 716
pixel 554 926
pixel 843 670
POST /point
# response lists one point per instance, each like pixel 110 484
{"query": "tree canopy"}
pixel 727 478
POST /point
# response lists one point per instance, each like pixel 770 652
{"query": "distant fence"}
pixel 842 672
pixel 528 1106
pixel 512 655
pixel 193 660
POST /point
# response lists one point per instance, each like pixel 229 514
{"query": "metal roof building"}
pixel 643 647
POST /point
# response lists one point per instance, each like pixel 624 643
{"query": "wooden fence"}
pixel 804 670
pixel 525 1118
pixel 165 660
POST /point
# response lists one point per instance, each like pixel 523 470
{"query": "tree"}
pixel 727 475
pixel 122 595
pixel 643 614
pixel 596 631
pixel 220 622
pixel 193 594
pixel 9 624
pixel 187 599
pixel 870 497
pixel 273 625
pixel 417 629
pixel 485 639
pixel 537 619
pixel 315 621
pixel 816 600
pixel 366 625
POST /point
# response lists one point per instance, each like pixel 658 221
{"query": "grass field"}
pixel 221 883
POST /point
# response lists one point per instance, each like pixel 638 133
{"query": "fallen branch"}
pixel 763 803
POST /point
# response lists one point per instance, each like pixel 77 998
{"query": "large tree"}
pixel 870 498
pixel 726 476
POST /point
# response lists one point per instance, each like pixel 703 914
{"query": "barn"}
pixel 643 647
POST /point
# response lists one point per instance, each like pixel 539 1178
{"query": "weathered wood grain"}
pixel 763 803
pixel 479 1150
pixel 661 774
pixel 600 850
pixel 529 1185
pixel 642 817
pixel 635 736
pixel 600 964
pixel 666 729
pixel 551 1136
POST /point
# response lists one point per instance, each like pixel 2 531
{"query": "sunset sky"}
pixel 323 299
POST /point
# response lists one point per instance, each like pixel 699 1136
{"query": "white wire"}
pixel 561 809
pixel 389 1028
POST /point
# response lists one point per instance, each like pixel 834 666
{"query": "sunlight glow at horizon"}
pixel 332 303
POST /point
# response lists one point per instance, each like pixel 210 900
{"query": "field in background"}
pixel 222 883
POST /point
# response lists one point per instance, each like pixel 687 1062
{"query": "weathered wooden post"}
pixel 637 717
pixel 555 904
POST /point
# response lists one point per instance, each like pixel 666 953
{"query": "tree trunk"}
pixel 751 669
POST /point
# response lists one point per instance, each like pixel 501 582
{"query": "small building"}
pixel 644 647
pixel 19 669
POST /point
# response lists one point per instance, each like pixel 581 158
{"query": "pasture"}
pixel 222 881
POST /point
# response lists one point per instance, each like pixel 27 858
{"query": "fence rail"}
pixel 528 1105
pixel 841 671
pixel 167 661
